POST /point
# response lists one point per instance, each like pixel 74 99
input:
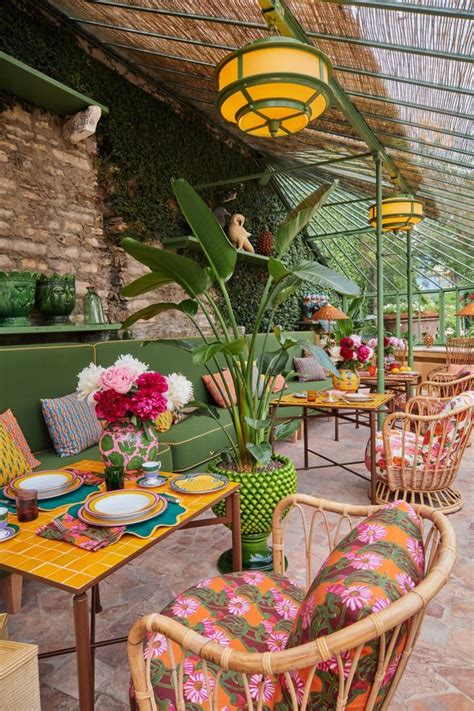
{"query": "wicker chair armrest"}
pixel 423 405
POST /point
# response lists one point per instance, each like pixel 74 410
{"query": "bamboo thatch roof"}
pixel 406 67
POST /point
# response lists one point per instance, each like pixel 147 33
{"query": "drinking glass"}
pixel 114 478
pixel 27 505
pixel 311 395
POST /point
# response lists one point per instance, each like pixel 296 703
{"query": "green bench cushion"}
pixel 50 460
pixel 195 440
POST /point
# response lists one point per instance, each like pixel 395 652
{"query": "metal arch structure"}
pixel 411 103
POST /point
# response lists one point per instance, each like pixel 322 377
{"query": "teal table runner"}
pixel 146 529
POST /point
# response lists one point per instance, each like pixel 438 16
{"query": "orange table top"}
pixel 321 402
pixel 74 569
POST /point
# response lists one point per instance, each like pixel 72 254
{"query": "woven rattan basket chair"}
pixel 327 523
pixel 420 470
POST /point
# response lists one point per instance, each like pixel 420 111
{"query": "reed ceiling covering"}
pixel 406 67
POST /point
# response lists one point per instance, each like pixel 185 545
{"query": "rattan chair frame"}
pixel 317 516
pixel 459 351
pixel 445 388
pixel 431 484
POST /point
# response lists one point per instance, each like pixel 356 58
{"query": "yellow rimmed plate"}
pixel 120 504
pixel 198 483
pixel 43 482
pixel 47 494
pixel 91 520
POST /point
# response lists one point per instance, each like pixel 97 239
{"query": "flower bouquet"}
pixel 353 355
pixel 128 398
pixel 390 345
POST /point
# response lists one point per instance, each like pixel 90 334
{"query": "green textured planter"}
pixel 56 297
pixel 17 297
pixel 260 492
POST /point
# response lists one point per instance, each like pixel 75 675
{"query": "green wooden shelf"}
pixel 22 80
pixel 66 328
pixel 191 242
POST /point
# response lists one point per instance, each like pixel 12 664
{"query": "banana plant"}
pixel 252 376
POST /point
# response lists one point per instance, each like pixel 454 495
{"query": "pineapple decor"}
pixel 265 243
pixel 428 339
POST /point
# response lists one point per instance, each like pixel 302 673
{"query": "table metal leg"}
pixel 83 652
pixel 305 435
pixel 373 470
pixel 236 538
pixel 336 425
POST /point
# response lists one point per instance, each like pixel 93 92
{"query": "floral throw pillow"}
pixel 379 561
pixel 72 424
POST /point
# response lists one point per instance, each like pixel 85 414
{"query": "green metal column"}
pixel 457 332
pixel 442 319
pixel 398 327
pixel 410 299
pixel 380 295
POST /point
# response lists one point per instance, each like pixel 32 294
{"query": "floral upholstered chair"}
pixel 419 451
pixel 256 641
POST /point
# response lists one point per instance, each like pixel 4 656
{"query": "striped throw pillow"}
pixel 72 424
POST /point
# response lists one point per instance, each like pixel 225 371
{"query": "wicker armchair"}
pixel 325 523
pixel 420 453
pixel 445 386
pixel 459 352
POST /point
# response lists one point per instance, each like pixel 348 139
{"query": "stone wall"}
pixel 52 219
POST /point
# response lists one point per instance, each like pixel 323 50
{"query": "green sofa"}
pixel 30 373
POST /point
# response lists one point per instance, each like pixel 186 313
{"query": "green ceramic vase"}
pixel 260 492
pixel 93 309
pixel 17 297
pixel 56 297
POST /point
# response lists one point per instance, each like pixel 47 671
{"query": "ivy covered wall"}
pixel 145 141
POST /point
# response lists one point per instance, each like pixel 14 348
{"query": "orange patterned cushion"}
pixel 217 390
pixel 380 560
pixel 10 423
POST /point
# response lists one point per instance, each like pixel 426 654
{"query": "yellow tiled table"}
pixel 340 410
pixel 76 570
pixel 399 382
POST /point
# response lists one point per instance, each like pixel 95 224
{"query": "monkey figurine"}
pixel 238 234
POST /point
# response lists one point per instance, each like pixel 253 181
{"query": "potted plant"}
pixel 265 478
pixel 128 399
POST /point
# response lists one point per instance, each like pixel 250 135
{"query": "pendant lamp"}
pixel 399 212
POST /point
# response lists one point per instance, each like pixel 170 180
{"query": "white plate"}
pixel 121 503
pixel 46 482
pixel 301 395
pixel 357 397
pixel 91 520
pixel 43 495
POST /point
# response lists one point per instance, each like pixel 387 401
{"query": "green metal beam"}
pixel 432 10
pixel 410 104
pixel 435 158
pixel 406 122
pixel 403 80
pixel 380 290
pixel 177 13
pixel 290 27
pixel 155 53
pixel 396 136
pixel 344 233
pixel 405 49
pixel 168 70
pixel 410 298
pixel 284 171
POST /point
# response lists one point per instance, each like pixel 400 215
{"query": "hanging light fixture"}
pixel 273 87
pixel 399 212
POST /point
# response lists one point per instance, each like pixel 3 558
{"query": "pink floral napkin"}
pixel 72 530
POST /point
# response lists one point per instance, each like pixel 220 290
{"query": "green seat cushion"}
pixel 50 460
pixel 29 374
pixel 196 440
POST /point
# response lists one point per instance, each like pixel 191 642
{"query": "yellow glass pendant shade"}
pixel 273 87
pixel 400 212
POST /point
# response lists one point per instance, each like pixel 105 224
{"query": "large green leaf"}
pixel 262 453
pixel 317 275
pixel 321 356
pixel 298 218
pixel 272 362
pixel 284 292
pixel 203 354
pixel 188 306
pixel 257 424
pixel 173 267
pixel 203 409
pixel 286 429
pixel 220 253
pixel 144 284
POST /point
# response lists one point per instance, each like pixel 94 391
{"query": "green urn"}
pixel 260 492
pixel 56 297
pixel 17 297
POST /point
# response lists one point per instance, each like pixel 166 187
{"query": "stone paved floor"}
pixel 439 676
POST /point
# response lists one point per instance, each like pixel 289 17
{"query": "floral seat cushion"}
pixel 248 611
pixel 405 447
pixel 444 437
pixel 380 560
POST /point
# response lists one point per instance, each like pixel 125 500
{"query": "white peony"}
pixel 180 391
pixel 88 381
pixel 131 363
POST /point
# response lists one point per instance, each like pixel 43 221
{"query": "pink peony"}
pixel 356 340
pixel 364 353
pixel 147 404
pixel 110 405
pixel 372 343
pixel 346 342
pixel 346 353
pixel 117 378
pixel 152 381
